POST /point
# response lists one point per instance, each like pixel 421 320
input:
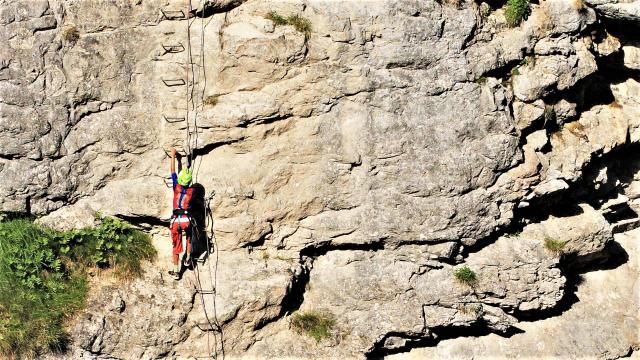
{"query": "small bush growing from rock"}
pixel 553 245
pixel 70 34
pixel 316 324
pixel 43 279
pixel 516 11
pixel 466 276
pixel 300 23
pixel 211 100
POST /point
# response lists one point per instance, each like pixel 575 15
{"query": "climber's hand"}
pixel 173 152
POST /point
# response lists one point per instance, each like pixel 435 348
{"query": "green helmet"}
pixel 184 177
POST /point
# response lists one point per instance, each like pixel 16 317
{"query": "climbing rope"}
pixel 192 144
pixel 213 279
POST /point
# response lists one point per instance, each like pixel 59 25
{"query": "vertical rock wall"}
pixel 364 161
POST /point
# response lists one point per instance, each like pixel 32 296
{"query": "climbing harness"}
pixel 191 137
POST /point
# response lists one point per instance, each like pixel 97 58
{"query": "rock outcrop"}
pixel 355 167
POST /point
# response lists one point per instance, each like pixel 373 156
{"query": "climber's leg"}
pixel 176 240
pixel 187 227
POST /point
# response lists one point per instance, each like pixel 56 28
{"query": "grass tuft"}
pixel 70 34
pixel 481 80
pixel 316 324
pixel 466 276
pixel 553 245
pixel 43 279
pixel 277 18
pixel 515 11
pixel 211 100
pixel 301 24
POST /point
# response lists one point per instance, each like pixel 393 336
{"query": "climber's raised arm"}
pixel 174 177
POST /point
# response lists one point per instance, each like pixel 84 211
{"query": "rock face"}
pixel 356 166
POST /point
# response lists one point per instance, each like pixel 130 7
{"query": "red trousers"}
pixel 177 227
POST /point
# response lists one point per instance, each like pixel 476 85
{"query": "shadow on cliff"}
pixel 612 256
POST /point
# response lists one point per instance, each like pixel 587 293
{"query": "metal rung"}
pixel 206 292
pixel 173 14
pixel 173 82
pixel 172 49
pixel 172 120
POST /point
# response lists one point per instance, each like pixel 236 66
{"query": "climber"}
pixel 181 219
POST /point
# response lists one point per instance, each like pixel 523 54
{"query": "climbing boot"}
pixel 174 274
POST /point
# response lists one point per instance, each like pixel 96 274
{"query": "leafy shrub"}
pixel 515 11
pixel 43 279
pixel 70 34
pixel 466 276
pixel 553 245
pixel 316 324
pixel 300 23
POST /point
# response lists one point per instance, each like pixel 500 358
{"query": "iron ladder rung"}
pixel 173 14
pixel 174 119
pixel 173 48
pixel 206 292
pixel 174 82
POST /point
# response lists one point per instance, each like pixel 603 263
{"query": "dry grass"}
pixel 554 246
pixel 615 105
pixel 211 100
pixel 301 24
pixel 70 34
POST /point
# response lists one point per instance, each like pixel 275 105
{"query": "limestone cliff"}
pixel 355 166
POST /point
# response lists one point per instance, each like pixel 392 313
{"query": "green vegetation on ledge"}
pixel 43 277
pixel 466 276
pixel 300 23
pixel 316 324
pixel 553 245
pixel 515 11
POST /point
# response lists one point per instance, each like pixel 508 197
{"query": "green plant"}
pixel 277 18
pixel 466 276
pixel 515 71
pixel 513 234
pixel 553 245
pixel 316 324
pixel 300 23
pixel 211 100
pixel 481 80
pixel 549 114
pixel 70 34
pixel 43 279
pixel 515 11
